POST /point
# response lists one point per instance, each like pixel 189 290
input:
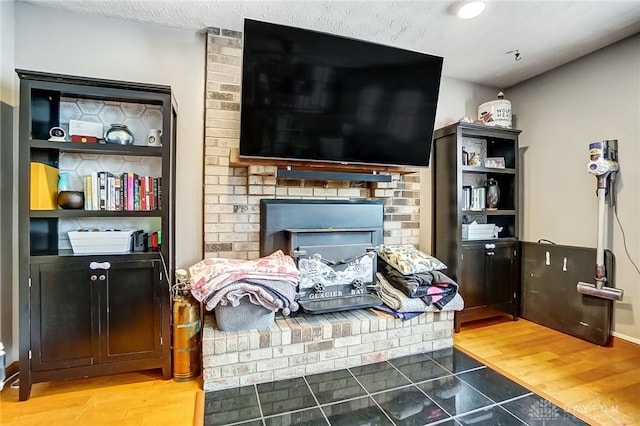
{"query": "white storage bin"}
pixel 101 242
pixel 478 231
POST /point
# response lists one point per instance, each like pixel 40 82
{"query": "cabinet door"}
pixel 500 274
pixel 63 322
pixel 472 275
pixel 130 300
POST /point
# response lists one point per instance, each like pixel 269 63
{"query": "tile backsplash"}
pixel 140 118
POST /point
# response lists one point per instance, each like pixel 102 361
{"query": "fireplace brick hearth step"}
pixel 310 344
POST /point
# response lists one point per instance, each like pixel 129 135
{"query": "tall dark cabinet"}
pixel 465 157
pixel 98 312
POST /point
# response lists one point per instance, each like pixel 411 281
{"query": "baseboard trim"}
pixel 625 337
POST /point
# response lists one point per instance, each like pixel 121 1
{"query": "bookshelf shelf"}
pixel 91 213
pixel 98 148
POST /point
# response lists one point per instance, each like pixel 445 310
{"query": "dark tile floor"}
pixel 444 387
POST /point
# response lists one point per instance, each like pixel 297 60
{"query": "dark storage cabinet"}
pixel 93 314
pixel 489 272
pixel 486 268
pixel 82 315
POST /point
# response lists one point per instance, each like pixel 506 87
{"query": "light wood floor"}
pixel 120 400
pixel 601 385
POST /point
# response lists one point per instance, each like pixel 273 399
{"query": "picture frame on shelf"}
pixel 494 162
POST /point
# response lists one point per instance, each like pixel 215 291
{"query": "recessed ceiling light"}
pixel 471 9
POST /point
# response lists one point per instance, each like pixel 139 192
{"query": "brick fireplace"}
pixel 305 344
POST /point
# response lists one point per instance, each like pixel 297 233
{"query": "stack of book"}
pixel 127 191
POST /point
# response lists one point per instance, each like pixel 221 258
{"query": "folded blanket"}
pixel 281 290
pixel 438 295
pixel 441 291
pixel 433 287
pixel 210 275
pixel 395 299
pixel 412 285
pixel 258 294
pixel 232 293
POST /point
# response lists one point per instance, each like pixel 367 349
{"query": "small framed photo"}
pixel 494 162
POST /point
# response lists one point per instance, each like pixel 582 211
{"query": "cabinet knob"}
pixel 490 253
pixel 102 278
pixel 99 265
pixel 489 246
pixel 93 277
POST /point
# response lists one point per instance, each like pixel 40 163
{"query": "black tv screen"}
pixel 313 96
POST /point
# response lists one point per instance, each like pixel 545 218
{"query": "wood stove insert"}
pixel 334 244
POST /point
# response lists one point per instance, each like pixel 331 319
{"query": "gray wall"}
pixel 62 42
pixel 8 197
pixel 593 98
pixel 457 99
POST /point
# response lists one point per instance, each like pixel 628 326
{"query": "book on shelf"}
pixel 131 178
pixel 136 193
pixel 117 192
pixel 87 193
pixel 143 193
pixel 153 194
pixel 95 200
pixel 111 192
pixel 102 190
pixel 159 192
pixel 123 191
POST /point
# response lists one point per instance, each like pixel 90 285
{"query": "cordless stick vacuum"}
pixel 603 165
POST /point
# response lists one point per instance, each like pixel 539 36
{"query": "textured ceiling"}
pixel 546 33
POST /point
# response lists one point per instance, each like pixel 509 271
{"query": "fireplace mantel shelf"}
pixel 235 160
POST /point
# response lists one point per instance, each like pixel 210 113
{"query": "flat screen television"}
pixel 312 96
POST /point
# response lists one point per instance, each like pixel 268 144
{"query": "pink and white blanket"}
pixel 213 274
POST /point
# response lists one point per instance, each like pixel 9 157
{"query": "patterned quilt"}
pixel 409 260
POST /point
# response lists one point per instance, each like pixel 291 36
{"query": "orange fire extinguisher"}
pixel 186 329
